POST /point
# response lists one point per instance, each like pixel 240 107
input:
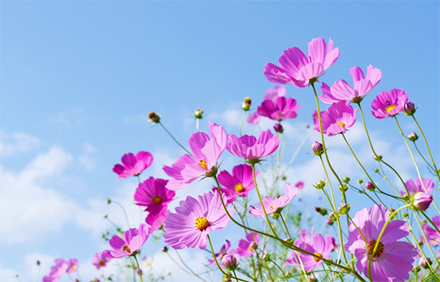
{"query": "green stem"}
pixel 125 213
pixel 175 140
pixel 421 155
pixel 140 271
pixel 241 123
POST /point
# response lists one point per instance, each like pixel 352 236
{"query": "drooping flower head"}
pixel 393 259
pixel 246 247
pixel 100 260
pixel 274 205
pixel 224 250
pixel 253 118
pixel 299 70
pixel 336 119
pixel 432 234
pixel 133 165
pixel 153 194
pixel 282 108
pixel 342 91
pixel 194 220
pixel 237 184
pixel 273 93
pixel 133 240
pixel 252 149
pixel 389 104
pixel 157 220
pixel 314 243
pixel 206 152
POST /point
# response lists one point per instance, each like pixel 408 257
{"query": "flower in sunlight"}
pixel 252 149
pixel 274 93
pixel 237 184
pixel 153 194
pixel 100 260
pixel 336 119
pixel 129 245
pixel 389 104
pixel 274 205
pixel 282 108
pixel 247 247
pixel 133 165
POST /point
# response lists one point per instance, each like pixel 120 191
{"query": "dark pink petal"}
pixel 292 60
pixel 129 160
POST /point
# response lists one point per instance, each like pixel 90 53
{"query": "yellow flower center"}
pixel 341 124
pixel 157 200
pixel 101 262
pixel 239 188
pixel 317 259
pixel 203 164
pixel 390 108
pixel 202 223
pixel 272 207
pixel 126 248
pixel 380 248
pixel 132 170
pixel 73 267
pixel 251 249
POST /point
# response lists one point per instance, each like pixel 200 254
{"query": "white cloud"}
pixel 17 143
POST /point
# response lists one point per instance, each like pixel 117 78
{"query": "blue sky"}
pixel 79 78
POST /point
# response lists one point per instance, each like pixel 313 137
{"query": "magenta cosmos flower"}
pixel 431 233
pixel 72 265
pixel 100 260
pixel 274 205
pixel 246 247
pixel 393 259
pixel 206 152
pixel 237 184
pixel 153 194
pixel 59 269
pixel 273 93
pixel 415 186
pixel 299 70
pixel 133 240
pixel 133 165
pixel 253 118
pixel 252 149
pixel 194 220
pixel 342 91
pixel 314 243
pixel 282 108
pixel 389 104
pixel 336 119
pixel 157 220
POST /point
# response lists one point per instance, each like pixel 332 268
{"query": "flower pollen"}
pixel 157 200
pixel 203 164
pixel 102 262
pixel 379 251
pixel 341 124
pixel 202 223
pixel 272 207
pixel 317 259
pixel 126 248
pixel 390 108
pixel 239 188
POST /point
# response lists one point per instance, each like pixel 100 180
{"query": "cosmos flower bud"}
pixel 139 271
pixel 360 181
pixel 165 249
pixel 198 113
pixel 154 118
pixel 288 275
pixel 109 201
pixel 246 104
pixel 376 170
pixel 409 109
pixel 421 201
pixel 266 257
pixel 229 262
pixel 320 184
pixel 38 262
pixel 425 264
pixel 369 186
pixel 321 210
pixel 378 158
pixel 329 221
pixel 344 209
pixel 317 148
pixel 413 137
pixel 346 179
pixel 343 188
pixel 278 128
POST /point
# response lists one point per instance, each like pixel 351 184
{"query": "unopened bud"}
pixel 283 177
pixel 421 201
pixel 360 181
pixel 343 187
pixel 329 221
pixel 376 170
pixel 346 179
pixel 288 274
pixel 288 240
pixel 278 128
pixel 312 277
pixel 378 158
pixel 405 214
pixel 424 221
pixel 38 262
pixel 266 257
pixel 229 262
pixel 320 184
pixel 198 113
pixel 369 186
pixel 165 249
pixel 246 104
pixel 154 118
pixel 317 148
pixel 105 215
pixel 109 201
pixel 344 209
pixel 321 211
pixel 409 109
pixel 425 263
pixel 139 271
pixel 413 137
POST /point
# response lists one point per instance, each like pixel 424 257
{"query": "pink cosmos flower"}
pixel 274 205
pixel 194 220
pixel 389 104
pixel 415 186
pixel 153 194
pixel 133 165
pixel 431 233
pixel 336 119
pixel 246 247
pixel 59 269
pixel 133 240
pixel 393 259
pixel 249 148
pixel 73 265
pixel 421 201
pixel 342 91
pixel 100 260
pixel 237 184
pixel 313 243
pixel 282 108
pixel 273 93
pixel 156 221
pixel 253 118
pixel 297 69
pixel 206 152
